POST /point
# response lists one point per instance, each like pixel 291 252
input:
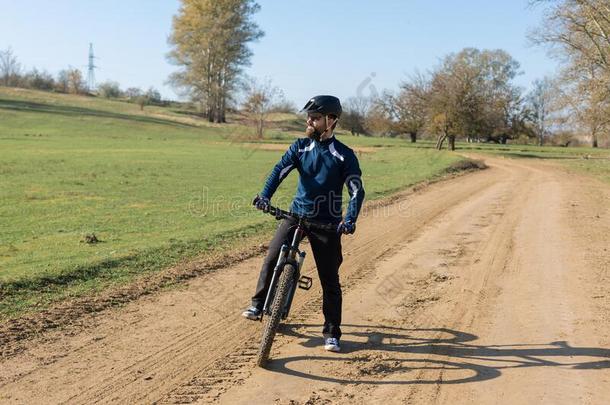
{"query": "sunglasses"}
pixel 314 116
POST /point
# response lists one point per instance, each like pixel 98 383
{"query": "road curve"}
pixel 489 288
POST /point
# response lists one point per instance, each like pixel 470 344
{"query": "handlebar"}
pixel 279 213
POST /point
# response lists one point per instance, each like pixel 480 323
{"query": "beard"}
pixel 313 133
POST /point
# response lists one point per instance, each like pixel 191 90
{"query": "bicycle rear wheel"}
pixel 272 322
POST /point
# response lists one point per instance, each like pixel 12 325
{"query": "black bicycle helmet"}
pixel 326 105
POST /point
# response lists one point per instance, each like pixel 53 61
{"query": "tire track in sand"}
pixel 156 349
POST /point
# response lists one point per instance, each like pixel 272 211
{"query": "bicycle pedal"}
pixel 305 282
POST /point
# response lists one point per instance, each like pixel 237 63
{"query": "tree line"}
pixel 470 95
pixel 12 74
pixel 69 81
pixel 577 34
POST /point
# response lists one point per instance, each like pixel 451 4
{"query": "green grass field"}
pixel 155 187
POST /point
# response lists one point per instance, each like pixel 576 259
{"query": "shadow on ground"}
pixel 371 352
pixel 71 111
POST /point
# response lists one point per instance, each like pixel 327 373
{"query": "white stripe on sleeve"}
pixel 285 171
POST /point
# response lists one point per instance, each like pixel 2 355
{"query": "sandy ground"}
pixel 490 288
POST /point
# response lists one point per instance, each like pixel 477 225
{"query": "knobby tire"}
pixel 272 322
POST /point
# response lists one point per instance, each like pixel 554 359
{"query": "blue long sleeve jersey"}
pixel 324 167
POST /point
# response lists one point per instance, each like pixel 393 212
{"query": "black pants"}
pixel 326 247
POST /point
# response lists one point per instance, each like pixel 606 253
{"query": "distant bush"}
pixel 153 96
pixel 133 93
pixel 71 80
pixel 38 80
pixel 284 106
pixel 109 89
pixel 62 82
pixel 76 83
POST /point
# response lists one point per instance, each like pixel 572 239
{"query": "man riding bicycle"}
pixel 324 165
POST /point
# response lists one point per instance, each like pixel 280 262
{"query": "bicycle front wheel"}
pixel 272 322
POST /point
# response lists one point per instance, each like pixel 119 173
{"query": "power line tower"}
pixel 91 69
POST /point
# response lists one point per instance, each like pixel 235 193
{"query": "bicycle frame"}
pixel 288 255
pixel 286 277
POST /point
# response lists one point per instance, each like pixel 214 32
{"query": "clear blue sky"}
pixel 309 48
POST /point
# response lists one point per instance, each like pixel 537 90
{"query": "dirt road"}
pixel 490 288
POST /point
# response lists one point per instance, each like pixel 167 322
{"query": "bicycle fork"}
pixel 303 282
pixel 294 285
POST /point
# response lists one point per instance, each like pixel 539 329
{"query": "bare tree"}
pixel 411 105
pixel 153 96
pixel 540 99
pixel 260 97
pixel 76 83
pixel 282 105
pixel 136 95
pixel 133 92
pixel 355 111
pixel 10 68
pixel 578 34
pixel 142 101
pixel 382 116
pixel 578 29
pixel 62 81
pixel 586 100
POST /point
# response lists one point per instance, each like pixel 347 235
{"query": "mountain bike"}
pixel 286 278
